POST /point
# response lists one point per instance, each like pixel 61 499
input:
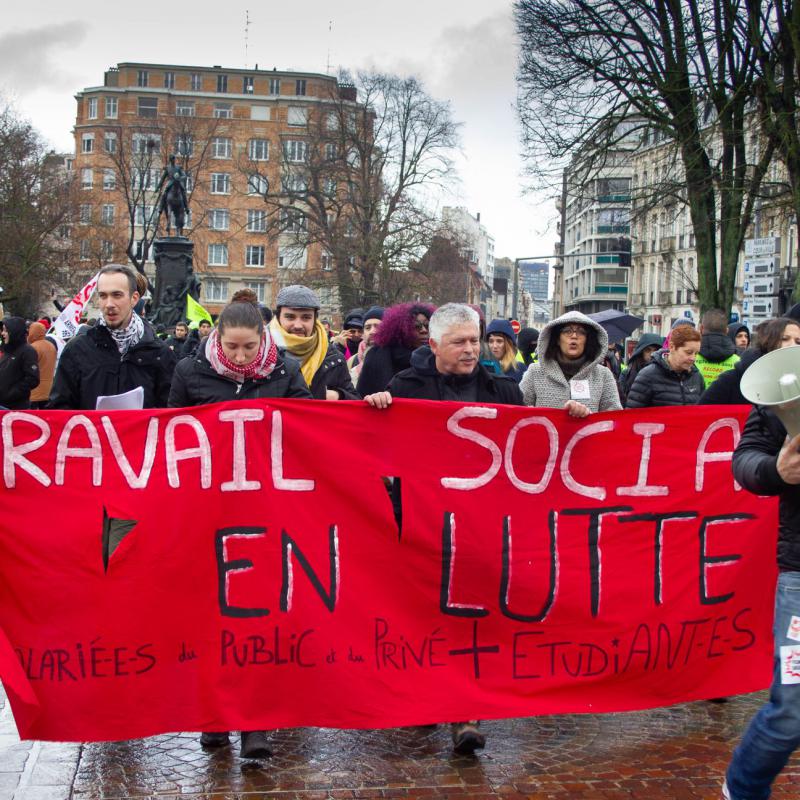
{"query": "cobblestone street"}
pixel 665 754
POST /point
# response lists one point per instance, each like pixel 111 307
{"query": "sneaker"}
pixel 214 739
pixel 467 738
pixel 255 744
pixel 726 795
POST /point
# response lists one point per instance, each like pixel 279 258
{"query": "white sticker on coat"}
pixel 794 629
pixel 579 390
pixel 790 664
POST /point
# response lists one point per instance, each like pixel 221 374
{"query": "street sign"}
pixel 515 326
pixel 762 267
pixel 761 286
pixel 762 247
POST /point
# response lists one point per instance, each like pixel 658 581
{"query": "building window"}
pixel 140 250
pixel 184 108
pixel 216 291
pixel 222 83
pixel 87 178
pixel 219 219
pixel 85 214
pixel 223 110
pixel 297 116
pixel 184 144
pixel 148 107
pixel 92 112
pixel 86 252
pixel 256 221
pixel 258 149
pixel 220 183
pixel 218 255
pixel 292 257
pixel 169 80
pixel 300 87
pixel 259 287
pixel 109 179
pixel 221 147
pixel 295 184
pixel 145 179
pixel 111 107
pixel 106 250
pixel 327 262
pixel 274 85
pixel 259 113
pixel 197 82
pixel 143 143
pixel 295 150
pixel 329 187
pixel 330 152
pixel 257 184
pixel 107 214
pixel 254 255
pixel 293 221
pixel 110 142
pixel 87 143
pixel 142 78
pixel 144 215
pixel 247 84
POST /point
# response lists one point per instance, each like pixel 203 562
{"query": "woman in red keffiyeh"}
pixel 237 361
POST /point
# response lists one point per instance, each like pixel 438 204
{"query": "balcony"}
pixel 667 244
pixel 664 298
pixel 614 229
pixel 606 289
pixel 614 198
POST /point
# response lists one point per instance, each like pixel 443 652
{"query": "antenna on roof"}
pixel 246 34
pixel 330 28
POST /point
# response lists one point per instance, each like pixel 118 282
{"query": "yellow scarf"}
pixel 311 350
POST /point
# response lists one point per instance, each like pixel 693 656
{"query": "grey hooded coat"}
pixel 544 384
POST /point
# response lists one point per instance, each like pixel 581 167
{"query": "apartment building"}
pixel 238 133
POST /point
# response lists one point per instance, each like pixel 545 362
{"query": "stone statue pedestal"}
pixel 175 279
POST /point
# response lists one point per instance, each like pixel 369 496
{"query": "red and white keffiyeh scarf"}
pixel 260 367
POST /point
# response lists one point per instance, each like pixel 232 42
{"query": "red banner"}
pixel 238 566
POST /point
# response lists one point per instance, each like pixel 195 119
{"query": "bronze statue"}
pixel 173 203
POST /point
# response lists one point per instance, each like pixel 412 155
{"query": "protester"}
pixel 117 355
pixel 717 351
pixel 527 340
pixel 770 335
pixel 349 338
pixel 671 378
pixel 403 330
pixel 178 338
pixel 46 355
pixel 740 336
pixel 449 368
pixel 767 462
pixel 195 337
pixel 502 343
pixel 19 365
pixel 648 344
pixel 569 373
pixel 373 317
pixel 296 327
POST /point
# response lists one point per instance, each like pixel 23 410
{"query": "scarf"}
pixel 570 366
pixel 128 337
pixel 309 350
pixel 260 367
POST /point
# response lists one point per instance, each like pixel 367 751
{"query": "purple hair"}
pixel 398 328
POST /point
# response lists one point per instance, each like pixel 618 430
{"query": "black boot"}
pixel 255 744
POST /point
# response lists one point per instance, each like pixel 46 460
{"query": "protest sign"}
pixel 65 325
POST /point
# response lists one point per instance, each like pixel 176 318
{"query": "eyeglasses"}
pixel 421 326
pixel 573 330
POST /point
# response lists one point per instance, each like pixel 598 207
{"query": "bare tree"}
pixel 37 207
pixel 684 69
pixel 357 183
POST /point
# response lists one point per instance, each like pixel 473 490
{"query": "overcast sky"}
pixel 464 51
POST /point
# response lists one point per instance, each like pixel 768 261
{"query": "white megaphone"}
pixel 774 381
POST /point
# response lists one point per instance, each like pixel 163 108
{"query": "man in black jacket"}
pixel 118 354
pixel 449 368
pixel 767 462
pixel 19 365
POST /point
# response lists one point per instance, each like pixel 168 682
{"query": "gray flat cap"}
pixel 297 296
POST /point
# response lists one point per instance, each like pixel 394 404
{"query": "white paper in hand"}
pixel 134 399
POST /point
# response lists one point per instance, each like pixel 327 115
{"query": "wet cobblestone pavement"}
pixel 665 754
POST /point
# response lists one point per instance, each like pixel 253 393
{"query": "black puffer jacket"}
pixel 658 385
pixel 422 381
pixel 195 383
pixel 381 364
pixel 91 366
pixel 755 467
pixel 19 366
pixel 725 389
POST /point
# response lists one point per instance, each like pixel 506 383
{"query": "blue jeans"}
pixel 774 732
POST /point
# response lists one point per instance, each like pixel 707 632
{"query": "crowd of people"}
pixel 414 350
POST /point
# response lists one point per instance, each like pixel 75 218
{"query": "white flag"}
pixel 66 323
